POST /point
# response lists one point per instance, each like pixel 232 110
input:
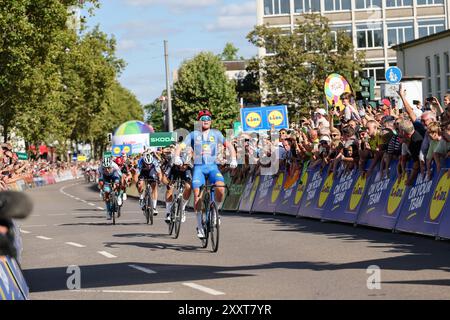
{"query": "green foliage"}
pixel 203 84
pixel 154 114
pixel 248 88
pixel 230 53
pixel 301 61
pixel 56 85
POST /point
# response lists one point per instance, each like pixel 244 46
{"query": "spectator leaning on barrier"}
pixel 411 145
pixel 434 132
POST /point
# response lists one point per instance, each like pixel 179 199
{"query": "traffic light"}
pixel 367 89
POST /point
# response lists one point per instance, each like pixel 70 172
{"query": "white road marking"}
pixel 43 238
pixel 57 214
pixel 35 226
pixel 91 204
pixel 24 231
pixel 77 199
pixel 107 254
pixel 120 291
pixel 75 244
pixel 100 208
pixel 84 201
pixel 149 271
pixel 203 289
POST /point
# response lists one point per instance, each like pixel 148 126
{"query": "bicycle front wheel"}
pixel 173 211
pixel 214 227
pixel 177 222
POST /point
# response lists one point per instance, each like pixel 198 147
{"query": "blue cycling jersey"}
pixel 204 145
pixel 143 165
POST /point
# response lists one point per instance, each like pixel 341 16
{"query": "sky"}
pixel 189 26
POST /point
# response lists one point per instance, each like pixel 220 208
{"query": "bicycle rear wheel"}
pixel 214 227
pixel 205 224
pixel 177 222
pixel 113 207
pixel 173 211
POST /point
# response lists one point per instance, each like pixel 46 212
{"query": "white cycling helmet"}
pixel 106 163
pixel 148 158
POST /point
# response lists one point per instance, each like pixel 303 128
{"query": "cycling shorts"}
pixel 210 170
pixel 110 179
pixel 148 174
pixel 174 173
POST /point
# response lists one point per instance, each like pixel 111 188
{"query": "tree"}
pixel 230 53
pixel 155 114
pixel 295 74
pixel 248 88
pixel 203 84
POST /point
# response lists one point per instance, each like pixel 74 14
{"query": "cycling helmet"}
pixel 148 158
pixel 106 163
pixel 204 112
pixel 119 161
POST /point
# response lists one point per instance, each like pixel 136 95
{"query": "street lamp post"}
pixel 169 93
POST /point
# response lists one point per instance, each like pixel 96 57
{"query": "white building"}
pixel 428 57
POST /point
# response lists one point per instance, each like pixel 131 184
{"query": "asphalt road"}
pixel 261 256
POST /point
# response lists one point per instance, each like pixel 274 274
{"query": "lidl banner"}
pixel 263 118
pixel 248 196
pixel 288 192
pixel 440 204
pixel 235 189
pixel 415 215
pixel 264 200
pixel 343 201
pixel 383 199
pixel 318 187
pixel 118 150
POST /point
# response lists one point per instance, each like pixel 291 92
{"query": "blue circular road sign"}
pixel 393 75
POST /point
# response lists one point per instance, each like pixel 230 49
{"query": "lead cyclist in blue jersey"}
pixel 205 145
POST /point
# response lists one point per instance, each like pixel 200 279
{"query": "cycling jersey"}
pixel 205 146
pixel 107 175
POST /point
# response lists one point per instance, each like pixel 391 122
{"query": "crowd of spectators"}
pixel 13 169
pixel 361 137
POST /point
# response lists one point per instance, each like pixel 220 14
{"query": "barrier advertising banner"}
pixel 318 187
pixel 9 289
pixel 263 200
pixel 235 189
pixel 249 193
pixel 18 276
pixel 440 204
pixel 288 193
pixel 341 205
pixel 383 199
pixel 415 215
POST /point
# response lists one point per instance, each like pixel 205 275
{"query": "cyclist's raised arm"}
pixel 187 141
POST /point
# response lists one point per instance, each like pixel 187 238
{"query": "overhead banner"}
pixel 235 188
pixel 268 192
pixel 345 197
pixel 316 193
pixel 383 199
pixel 263 118
pixel 288 193
pixel 249 193
pixel 118 150
pixel 416 215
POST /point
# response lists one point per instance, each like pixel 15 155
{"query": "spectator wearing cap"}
pixel 320 119
pixel 386 107
pixel 411 145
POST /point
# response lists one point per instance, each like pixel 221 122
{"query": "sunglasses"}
pixel 283 132
pixel 205 118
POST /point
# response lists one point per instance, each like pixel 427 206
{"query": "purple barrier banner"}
pixel 318 187
pixel 415 214
pixel 440 204
pixel 263 200
pixel 248 196
pixel 288 193
pixel 383 200
pixel 345 197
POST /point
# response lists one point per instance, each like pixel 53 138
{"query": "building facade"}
pixel 374 25
pixel 428 57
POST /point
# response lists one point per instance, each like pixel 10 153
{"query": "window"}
pixel 301 6
pixel 272 7
pixel 428 71
pixel 347 28
pixel 376 71
pixel 429 27
pixel 447 71
pixel 398 3
pixel 425 2
pixel 366 4
pixel 400 32
pixel 369 38
pixel 337 5
pixel 437 68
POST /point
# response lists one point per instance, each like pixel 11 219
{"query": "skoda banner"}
pixel 162 139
